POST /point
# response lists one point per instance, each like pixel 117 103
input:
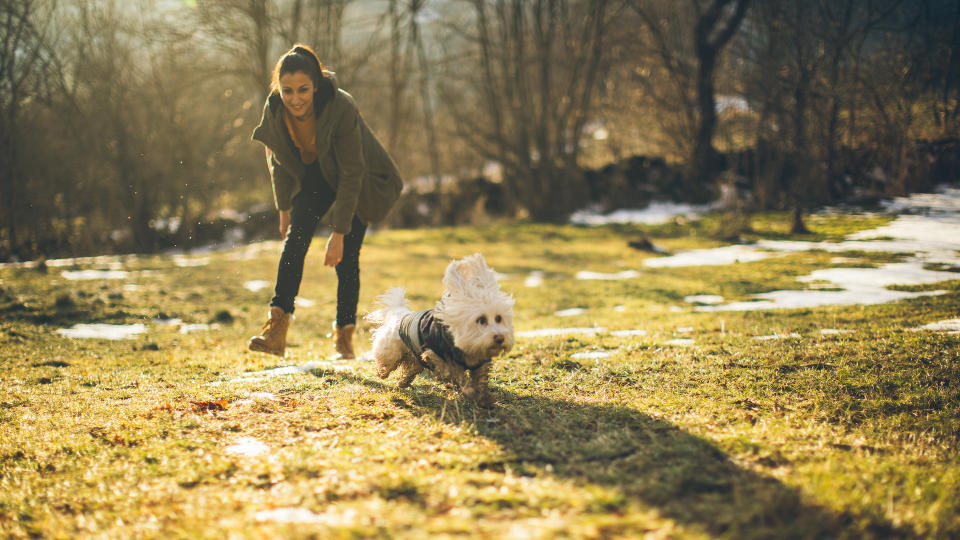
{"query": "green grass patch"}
pixel 169 434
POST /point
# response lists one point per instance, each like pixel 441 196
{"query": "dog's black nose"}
pixel 498 339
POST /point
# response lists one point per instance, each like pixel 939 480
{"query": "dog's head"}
pixel 478 313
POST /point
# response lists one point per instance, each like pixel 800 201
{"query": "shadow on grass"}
pixel 52 315
pixel 644 459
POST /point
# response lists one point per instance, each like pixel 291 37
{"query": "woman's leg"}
pixel 348 275
pixel 308 207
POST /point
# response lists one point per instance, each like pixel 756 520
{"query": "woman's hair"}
pixel 300 57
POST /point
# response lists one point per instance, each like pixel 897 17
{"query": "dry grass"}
pixel 846 435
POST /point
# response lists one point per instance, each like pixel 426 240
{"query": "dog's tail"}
pixel 392 303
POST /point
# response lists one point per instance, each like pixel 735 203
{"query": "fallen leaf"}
pixel 217 405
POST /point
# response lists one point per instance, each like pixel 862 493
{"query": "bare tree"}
pixel 22 59
pixel 320 24
pixel 667 68
pixel 813 75
pixel 426 83
pixel 717 21
pixel 245 31
pixel 148 112
pixel 399 68
pixel 538 65
pixel 690 70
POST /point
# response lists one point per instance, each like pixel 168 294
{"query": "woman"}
pixel 321 156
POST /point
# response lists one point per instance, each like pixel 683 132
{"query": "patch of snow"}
pixel 322 365
pixel 262 396
pixel 256 285
pixel 535 279
pixel 703 299
pixel 103 331
pixel 555 332
pixel 592 331
pixel 590 355
pixel 950 326
pixel 248 447
pixel 860 286
pixel 334 363
pixel 681 342
pixel 709 257
pixel 189 262
pixel 305 302
pixel 626 274
pixel 167 322
pixel 833 331
pixel 114 262
pixel 628 333
pixel 903 273
pixel 773 337
pixel 107 260
pixel 685 329
pixel 94 274
pixel 655 213
pixel 931 236
pixel 946 199
pixel 275 372
pixel 196 327
pixel 620 309
pixel 732 103
pixel 288 515
pixel 572 312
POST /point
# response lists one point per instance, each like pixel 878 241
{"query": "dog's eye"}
pixel 482 321
pixel 499 319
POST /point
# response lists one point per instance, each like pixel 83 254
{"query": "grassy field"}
pixel 170 434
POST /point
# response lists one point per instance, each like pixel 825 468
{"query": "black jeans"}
pixel 313 201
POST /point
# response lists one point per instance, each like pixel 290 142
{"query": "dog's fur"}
pixel 479 317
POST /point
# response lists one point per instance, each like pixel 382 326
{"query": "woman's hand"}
pixel 334 249
pixel 284 223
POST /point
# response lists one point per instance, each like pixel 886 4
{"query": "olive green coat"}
pixel 350 157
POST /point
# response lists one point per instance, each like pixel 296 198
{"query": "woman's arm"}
pixel 334 249
pixel 284 223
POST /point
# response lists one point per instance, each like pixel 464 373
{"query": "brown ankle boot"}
pixel 345 341
pixel 273 335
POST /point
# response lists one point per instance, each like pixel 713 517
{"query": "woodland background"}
pixel 125 125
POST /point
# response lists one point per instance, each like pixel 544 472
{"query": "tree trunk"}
pixel 427 103
pixel 396 84
pixel 710 37
pixel 798 226
pixel 704 154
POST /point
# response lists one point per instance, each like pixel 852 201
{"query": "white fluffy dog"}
pixel 470 325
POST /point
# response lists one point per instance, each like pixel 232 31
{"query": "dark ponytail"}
pixel 307 52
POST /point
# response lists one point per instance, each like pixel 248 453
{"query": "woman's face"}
pixel 296 91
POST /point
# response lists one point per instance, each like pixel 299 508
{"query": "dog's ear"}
pixel 477 272
pixel 454 280
pixel 468 275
